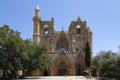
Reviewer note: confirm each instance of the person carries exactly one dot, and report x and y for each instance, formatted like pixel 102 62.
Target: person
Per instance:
pixel 97 74
pixel 65 74
pixel 87 74
pixel 90 74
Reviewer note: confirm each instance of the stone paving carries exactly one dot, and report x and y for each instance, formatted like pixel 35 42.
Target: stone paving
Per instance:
pixel 58 78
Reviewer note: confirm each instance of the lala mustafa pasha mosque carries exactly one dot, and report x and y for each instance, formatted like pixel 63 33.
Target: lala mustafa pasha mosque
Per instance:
pixel 66 49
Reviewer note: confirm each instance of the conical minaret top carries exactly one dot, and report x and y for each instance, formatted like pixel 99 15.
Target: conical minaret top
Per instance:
pixel 37 10
pixel 37 7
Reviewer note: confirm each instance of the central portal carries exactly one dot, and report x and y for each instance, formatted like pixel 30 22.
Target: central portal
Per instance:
pixel 62 70
pixel 78 70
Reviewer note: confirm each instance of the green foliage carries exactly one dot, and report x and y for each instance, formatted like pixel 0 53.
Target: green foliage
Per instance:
pixel 87 55
pixel 107 64
pixel 40 58
pixel 12 46
pixel 100 56
pixel 17 54
pixel 35 57
pixel 108 67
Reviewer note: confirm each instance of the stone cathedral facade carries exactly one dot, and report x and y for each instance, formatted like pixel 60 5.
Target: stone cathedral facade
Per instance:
pixel 66 49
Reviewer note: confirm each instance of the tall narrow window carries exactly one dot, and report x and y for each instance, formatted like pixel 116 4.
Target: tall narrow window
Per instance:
pixel 78 28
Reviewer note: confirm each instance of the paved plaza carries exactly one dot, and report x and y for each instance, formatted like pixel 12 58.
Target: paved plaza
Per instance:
pixel 58 78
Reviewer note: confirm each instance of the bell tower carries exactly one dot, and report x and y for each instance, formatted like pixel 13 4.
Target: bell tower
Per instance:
pixel 37 25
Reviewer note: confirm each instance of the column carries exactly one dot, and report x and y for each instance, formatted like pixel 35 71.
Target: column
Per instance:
pixel 73 71
pixel 52 71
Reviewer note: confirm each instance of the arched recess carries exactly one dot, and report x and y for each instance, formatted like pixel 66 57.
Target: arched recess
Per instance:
pixel 46 29
pixel 62 43
pixel 46 26
pixel 45 73
pixel 78 70
pixel 62 69
pixel 46 32
pixel 62 60
pixel 78 28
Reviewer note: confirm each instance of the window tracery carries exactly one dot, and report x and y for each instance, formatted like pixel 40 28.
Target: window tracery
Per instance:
pixel 62 44
pixel 62 65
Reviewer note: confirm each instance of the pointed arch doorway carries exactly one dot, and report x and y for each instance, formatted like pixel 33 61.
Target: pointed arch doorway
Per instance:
pixel 78 70
pixel 45 73
pixel 62 69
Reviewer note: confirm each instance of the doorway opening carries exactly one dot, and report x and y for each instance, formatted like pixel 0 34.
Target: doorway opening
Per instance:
pixel 62 70
pixel 78 70
pixel 45 73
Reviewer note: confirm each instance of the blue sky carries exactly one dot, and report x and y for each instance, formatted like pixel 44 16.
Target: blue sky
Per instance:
pixel 102 16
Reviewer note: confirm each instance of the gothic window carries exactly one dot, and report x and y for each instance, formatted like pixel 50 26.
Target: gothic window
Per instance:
pixel 62 44
pixel 46 26
pixel 78 28
pixel 46 32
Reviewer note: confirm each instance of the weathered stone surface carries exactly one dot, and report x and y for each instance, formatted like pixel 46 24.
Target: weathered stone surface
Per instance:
pixel 66 49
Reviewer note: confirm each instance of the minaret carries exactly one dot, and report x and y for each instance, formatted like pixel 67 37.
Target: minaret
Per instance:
pixel 37 22
pixel 37 11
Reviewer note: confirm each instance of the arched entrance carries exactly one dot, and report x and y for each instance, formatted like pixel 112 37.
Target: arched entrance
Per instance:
pixel 78 70
pixel 62 70
pixel 45 73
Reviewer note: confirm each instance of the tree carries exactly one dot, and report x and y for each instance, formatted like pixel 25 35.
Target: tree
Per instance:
pixel 107 64
pixel 108 67
pixel 18 54
pixel 40 58
pixel 26 56
pixel 44 61
pixel 96 59
pixel 35 57
pixel 118 67
pixel 87 55
pixel 13 47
